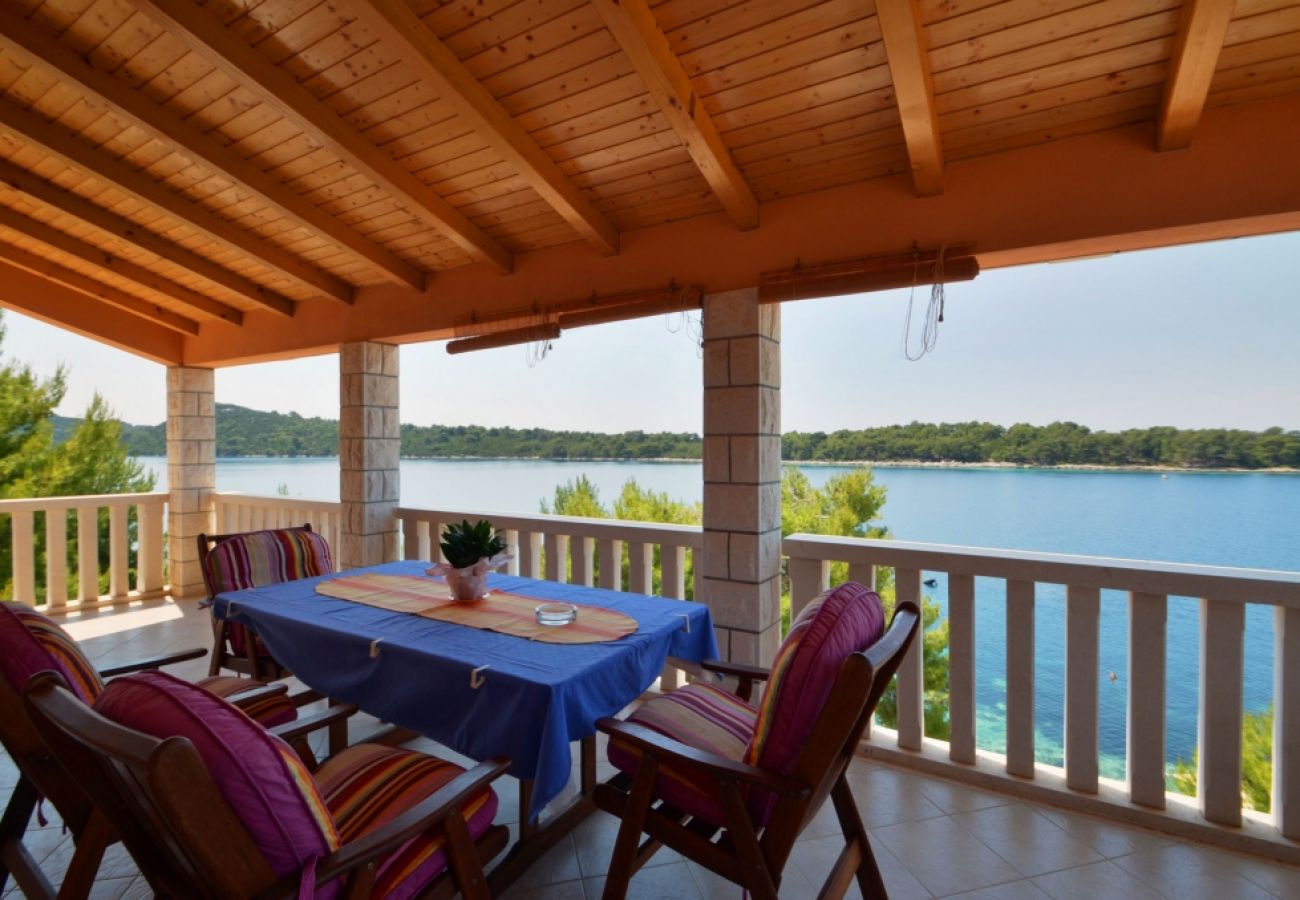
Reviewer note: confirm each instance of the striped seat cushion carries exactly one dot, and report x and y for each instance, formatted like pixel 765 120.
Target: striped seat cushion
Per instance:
pixel 367 785
pixel 276 709
pixel 259 558
pixel 31 643
pixel 700 716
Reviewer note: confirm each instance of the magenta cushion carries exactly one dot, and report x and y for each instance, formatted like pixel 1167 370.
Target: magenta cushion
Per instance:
pixel 841 621
pixel 262 779
pixel 30 643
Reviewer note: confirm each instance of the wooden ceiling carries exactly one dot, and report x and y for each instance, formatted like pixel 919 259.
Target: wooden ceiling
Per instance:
pixel 224 164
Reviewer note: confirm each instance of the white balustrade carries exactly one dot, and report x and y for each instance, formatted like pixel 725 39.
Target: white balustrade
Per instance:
pixel 250 512
pixel 148 509
pixel 1223 595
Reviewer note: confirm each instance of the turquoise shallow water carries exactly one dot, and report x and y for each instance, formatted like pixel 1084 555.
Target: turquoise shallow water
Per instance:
pixel 1224 519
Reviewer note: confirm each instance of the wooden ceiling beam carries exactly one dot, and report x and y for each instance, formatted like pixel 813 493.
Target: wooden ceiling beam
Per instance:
pixel 57 199
pixel 634 26
pixel 33 130
pixel 397 25
pixel 21 38
pixel 51 302
pixel 1201 33
pixel 66 243
pixel 909 68
pixel 45 268
pixel 205 34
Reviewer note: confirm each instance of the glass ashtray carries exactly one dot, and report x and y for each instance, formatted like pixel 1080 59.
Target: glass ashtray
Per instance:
pixel 556 614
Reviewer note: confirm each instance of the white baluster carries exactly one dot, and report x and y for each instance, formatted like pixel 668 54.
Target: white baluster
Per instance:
pixel 961 668
pixel 583 553
pixel 24 556
pixel 611 564
pixel 1146 699
pixel 640 571
pixel 1218 776
pixel 864 574
pixel 88 553
pixel 672 584
pixel 557 557
pixel 911 673
pixel 424 546
pixel 808 578
pixel 56 558
pixel 530 551
pixel 1082 620
pixel 119 565
pixel 410 538
pixel 1286 721
pixel 512 541
pixel 149 559
pixel 1020 678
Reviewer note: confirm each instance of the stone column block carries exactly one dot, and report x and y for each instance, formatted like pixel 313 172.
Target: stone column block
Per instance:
pixel 369 453
pixel 191 473
pixel 741 556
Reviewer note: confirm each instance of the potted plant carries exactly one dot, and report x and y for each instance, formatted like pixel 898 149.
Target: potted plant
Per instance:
pixel 471 551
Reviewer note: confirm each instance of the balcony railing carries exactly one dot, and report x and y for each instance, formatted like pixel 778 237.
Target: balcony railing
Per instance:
pixel 143 513
pixel 253 512
pixel 1223 595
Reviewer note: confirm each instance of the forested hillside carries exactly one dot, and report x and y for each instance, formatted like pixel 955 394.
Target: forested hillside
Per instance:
pixel 247 432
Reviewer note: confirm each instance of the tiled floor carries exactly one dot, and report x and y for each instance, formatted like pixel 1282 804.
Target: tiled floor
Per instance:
pixel 931 838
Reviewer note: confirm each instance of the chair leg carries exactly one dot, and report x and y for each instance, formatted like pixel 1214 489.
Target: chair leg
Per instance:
pixel 869 880
pixel 14 858
pixel 622 862
pixel 218 647
pixel 463 860
pixel 94 839
pixel 756 876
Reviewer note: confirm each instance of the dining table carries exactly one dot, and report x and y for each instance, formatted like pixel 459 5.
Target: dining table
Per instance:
pixel 479 692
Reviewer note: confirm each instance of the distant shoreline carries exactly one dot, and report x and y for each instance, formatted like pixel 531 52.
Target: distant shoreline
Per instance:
pixel 889 464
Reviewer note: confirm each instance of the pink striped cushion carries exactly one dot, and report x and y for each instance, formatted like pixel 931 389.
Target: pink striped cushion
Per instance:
pixel 368 785
pixel 31 643
pixel 259 558
pixel 842 621
pixel 700 716
pixel 262 779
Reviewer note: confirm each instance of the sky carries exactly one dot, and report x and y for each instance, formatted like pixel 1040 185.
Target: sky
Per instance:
pixel 1197 336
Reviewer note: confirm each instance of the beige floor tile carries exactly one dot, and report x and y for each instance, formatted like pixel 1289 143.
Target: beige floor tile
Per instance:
pixel 558 864
pixel 887 797
pixel 1027 840
pixel 670 882
pixel 1107 838
pixel 594 840
pixel 568 890
pixel 1012 890
pixel 1183 872
pixel 958 798
pixel 815 858
pixel 943 856
pixel 1103 879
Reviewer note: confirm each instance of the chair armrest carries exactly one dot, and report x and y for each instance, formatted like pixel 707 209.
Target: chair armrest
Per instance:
pixel 679 754
pixel 256 695
pixel 745 675
pixel 141 665
pixel 446 801
pixel 291 731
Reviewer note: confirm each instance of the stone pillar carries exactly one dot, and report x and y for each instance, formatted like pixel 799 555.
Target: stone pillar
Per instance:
pixel 369 449
pixel 742 474
pixel 191 473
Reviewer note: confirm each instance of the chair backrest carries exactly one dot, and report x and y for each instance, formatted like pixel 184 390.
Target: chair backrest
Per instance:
pixel 208 803
pixel 31 643
pixel 861 678
pixel 233 562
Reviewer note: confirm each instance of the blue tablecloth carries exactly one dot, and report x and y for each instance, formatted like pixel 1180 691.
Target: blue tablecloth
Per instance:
pixel 534 699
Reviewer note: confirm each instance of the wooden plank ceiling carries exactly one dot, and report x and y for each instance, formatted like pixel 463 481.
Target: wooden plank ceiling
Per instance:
pixel 194 163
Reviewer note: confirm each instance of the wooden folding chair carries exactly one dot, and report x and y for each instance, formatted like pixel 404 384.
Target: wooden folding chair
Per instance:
pixel 732 786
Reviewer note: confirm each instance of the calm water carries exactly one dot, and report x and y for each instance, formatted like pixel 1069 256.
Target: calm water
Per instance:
pixel 1225 519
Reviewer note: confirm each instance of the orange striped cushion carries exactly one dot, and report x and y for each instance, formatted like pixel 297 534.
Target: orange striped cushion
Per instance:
pixel 267 712
pixel 64 655
pixel 700 716
pixel 367 785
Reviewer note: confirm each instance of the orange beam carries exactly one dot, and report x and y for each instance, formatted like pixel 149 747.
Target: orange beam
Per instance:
pixel 1196 55
pixel 634 26
pixel 1088 194
pixel 55 304
pixel 909 68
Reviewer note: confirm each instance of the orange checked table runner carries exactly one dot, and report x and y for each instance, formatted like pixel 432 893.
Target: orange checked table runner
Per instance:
pixel 499 611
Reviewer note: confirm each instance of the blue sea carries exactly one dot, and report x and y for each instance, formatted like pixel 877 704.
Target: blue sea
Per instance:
pixel 1232 519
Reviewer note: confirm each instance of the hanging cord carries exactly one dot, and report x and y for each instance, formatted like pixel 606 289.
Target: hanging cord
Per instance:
pixel 933 312
pixel 689 323
pixel 536 351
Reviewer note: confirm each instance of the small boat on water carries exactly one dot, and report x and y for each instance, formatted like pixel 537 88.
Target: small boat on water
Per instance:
pixel 931 582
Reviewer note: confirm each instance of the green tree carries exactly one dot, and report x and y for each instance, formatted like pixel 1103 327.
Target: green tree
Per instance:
pixel 93 459
pixel 1256 763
